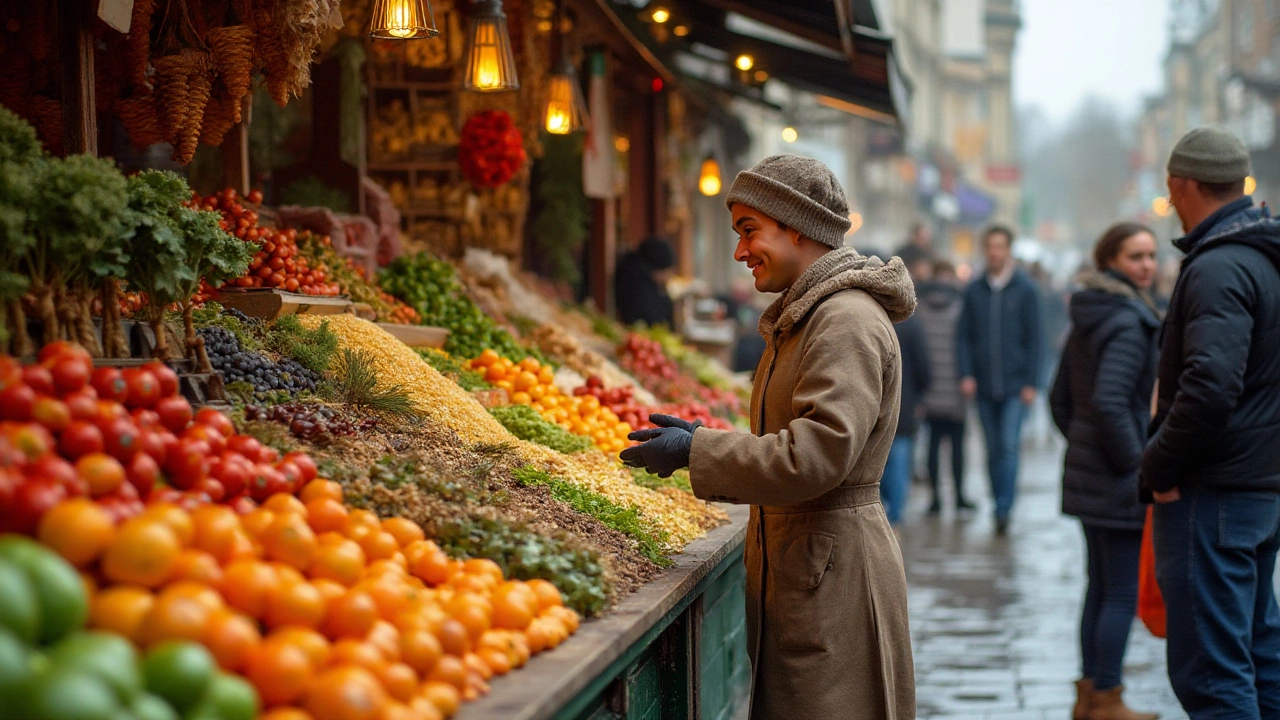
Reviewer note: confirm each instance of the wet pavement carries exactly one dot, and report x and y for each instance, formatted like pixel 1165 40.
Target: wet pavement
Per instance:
pixel 995 620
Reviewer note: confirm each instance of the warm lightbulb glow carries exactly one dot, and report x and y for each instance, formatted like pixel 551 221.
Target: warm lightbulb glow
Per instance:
pixel 566 108
pixel 1250 184
pixel 790 135
pixel 761 76
pixel 487 75
pixel 1161 207
pixel 401 20
pixel 490 63
pixel 680 30
pixel 622 144
pixel 744 62
pixel 661 15
pixel 709 178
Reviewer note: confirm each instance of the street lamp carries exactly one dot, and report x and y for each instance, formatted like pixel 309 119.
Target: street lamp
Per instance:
pixel 402 20
pixel 490 64
pixel 709 179
pixel 566 108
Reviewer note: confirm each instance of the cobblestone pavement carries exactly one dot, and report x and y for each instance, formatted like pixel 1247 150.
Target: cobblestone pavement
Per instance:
pixel 995 620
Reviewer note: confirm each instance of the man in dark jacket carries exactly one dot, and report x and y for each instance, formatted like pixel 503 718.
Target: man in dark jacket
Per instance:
pixel 998 348
pixel 940 304
pixel 640 284
pixel 895 484
pixel 1213 459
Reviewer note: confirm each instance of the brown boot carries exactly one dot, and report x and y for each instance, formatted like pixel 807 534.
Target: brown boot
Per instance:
pixel 1084 700
pixel 1107 705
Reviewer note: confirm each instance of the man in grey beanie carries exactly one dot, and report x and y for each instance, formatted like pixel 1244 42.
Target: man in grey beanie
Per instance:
pixel 1212 463
pixel 826 592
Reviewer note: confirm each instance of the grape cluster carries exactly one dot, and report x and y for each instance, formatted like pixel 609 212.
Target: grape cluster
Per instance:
pixel 241 317
pixel 310 421
pixel 239 365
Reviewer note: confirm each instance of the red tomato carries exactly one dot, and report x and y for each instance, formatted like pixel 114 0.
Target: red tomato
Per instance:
pixel 51 413
pixel 151 442
pixel 291 285
pixel 186 466
pixel 38 378
pixel 104 473
pixel 144 388
pixel 54 350
pixel 31 500
pixel 265 482
pixel 122 438
pixel 109 383
pixel 216 420
pixel 142 472
pixel 246 445
pixel 166 376
pixel 204 433
pixel 292 476
pixel 212 488
pixel 268 455
pixel 70 373
pixel 232 470
pixel 174 413
pixel 83 405
pixel 80 438
pixel 305 465
pixel 16 402
pixel 255 197
pixel 164 494
pixel 244 505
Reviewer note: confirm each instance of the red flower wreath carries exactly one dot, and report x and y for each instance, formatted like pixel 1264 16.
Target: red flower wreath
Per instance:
pixel 491 149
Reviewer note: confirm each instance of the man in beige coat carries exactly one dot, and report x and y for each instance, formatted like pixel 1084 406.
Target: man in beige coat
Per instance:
pixel 826 592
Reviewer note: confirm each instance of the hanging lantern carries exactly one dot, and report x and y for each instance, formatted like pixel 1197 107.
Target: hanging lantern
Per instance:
pixel 490 63
pixel 566 108
pixel 709 178
pixel 402 20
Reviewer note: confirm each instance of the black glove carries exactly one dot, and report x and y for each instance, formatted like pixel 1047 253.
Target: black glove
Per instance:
pixel 664 449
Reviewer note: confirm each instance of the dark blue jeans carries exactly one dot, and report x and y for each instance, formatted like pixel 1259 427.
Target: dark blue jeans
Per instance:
pixel 1110 602
pixel 1002 427
pixel 953 432
pixel 895 483
pixel 1215 561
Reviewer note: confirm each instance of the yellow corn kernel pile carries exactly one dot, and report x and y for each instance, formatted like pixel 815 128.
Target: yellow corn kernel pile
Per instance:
pixel 443 401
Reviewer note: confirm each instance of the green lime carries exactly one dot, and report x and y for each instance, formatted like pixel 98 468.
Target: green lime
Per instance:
pixel 59 590
pixel 152 707
pixel 231 698
pixel 110 658
pixel 16 667
pixel 178 671
pixel 67 694
pixel 19 606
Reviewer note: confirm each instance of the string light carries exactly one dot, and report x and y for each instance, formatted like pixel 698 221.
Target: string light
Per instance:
pixel 680 30
pixel 661 15
pixel 789 134
pixel 744 62
pixel 709 179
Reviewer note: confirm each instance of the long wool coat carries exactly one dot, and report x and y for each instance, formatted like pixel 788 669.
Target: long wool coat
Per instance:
pixel 826 592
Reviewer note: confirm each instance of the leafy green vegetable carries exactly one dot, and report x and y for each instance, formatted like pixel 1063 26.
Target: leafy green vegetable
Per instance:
pixel 455 369
pixel 525 423
pixel 313 349
pixel 678 480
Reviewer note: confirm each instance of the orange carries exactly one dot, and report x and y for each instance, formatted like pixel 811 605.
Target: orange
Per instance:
pixel 566 616
pixel 385 566
pixel 294 603
pixel 397 710
pixel 536 637
pixel 342 561
pixel 231 638
pixel 309 641
pixel 548 595
pixel 245 585
pixel 399 680
pixel 424 709
pixel 290 540
pixel 451 671
pixel 432 566
pixel 405 531
pixel 379 545
pixel 530 364
pixel 546 375
pixel 324 514
pixel 215 530
pixel 514 605
pixel 356 652
pixel 495 373
pixel 487 358
pixel 280 671
pixel 520 397
pixel 200 592
pixel 524 380
pixel 176 518
pixel 476 664
pixel 475 584
pixel 243 547
pixel 256 522
pixel 319 488
pixel 345 693
pixel 121 610
pixel 393 594
pixel 518 650
pixel 285 713
pixel 444 696
pixel 175 616
pixel 421 650
pixel 483 567
pixel 143 552
pixel 329 590
pixel 197 566
pixel 78 529
pixel 386 638
pixel 497 660
pixel 285 504
pixel 454 637
pixel 366 518
pixel 556 631
pixel 350 615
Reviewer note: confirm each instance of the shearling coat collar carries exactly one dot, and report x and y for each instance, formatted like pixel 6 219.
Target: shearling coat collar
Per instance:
pixel 842 269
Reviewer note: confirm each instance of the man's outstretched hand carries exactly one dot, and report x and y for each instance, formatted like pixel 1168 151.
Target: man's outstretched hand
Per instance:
pixel 664 449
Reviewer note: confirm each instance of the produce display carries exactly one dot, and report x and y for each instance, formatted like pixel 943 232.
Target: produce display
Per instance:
pixel 648 362
pixel 352 282
pixel 524 422
pixel 621 402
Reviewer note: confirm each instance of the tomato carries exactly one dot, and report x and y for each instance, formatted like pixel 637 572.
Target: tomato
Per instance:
pixel 244 505
pixel 53 468
pixel 305 465
pixel 216 420
pixel 80 438
pixel 142 472
pixel 211 487
pixel 266 481
pixel 268 455
pixel 51 413
pixel 151 442
pixel 106 412
pixel 217 443
pixel 122 439
pixel 233 471
pixel 38 378
pixel 83 405
pixel 167 378
pixel 70 373
pixel 246 445
pixel 255 197
pixel 53 351
pixel 144 388
pixel 104 473
pixel 292 476
pixel 291 285
pixel 174 413
pixel 186 465
pixel 145 419
pixel 164 494
pixel 16 402
pixel 31 500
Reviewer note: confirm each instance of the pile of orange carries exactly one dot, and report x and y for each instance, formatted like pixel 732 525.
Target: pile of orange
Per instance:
pixel 531 383
pixel 330 612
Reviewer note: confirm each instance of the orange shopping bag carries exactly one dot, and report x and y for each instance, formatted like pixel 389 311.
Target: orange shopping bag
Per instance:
pixel 1150 602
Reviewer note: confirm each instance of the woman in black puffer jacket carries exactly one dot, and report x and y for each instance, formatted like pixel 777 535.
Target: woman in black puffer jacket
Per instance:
pixel 1101 402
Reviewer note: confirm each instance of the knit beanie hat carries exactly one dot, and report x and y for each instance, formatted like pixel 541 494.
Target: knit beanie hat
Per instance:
pixel 798 192
pixel 1210 154
pixel 657 253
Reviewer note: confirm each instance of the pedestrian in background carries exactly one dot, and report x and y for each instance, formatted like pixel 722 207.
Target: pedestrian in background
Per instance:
pixel 1101 402
pixel 998 348
pixel 640 286
pixel 1213 459
pixel 940 304
pixel 895 484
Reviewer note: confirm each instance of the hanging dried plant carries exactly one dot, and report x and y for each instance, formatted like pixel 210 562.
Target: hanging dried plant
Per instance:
pixel 232 49
pixel 138 115
pixel 138 43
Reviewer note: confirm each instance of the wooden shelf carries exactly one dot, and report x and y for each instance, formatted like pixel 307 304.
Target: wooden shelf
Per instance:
pixel 405 165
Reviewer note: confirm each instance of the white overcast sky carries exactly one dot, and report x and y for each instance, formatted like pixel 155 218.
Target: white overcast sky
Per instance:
pixel 1070 49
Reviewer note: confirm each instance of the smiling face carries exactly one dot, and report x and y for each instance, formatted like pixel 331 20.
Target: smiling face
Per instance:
pixel 774 254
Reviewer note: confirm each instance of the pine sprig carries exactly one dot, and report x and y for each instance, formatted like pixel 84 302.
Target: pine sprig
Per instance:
pixel 356 384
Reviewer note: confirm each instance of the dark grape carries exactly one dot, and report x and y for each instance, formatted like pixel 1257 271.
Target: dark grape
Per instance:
pixel 311 421
pixel 239 365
